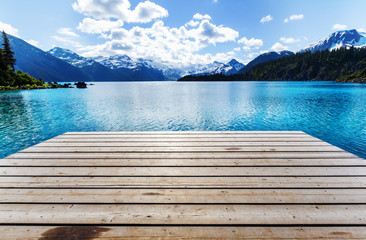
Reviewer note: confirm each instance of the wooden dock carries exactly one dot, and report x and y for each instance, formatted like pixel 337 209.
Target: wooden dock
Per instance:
pixel 187 185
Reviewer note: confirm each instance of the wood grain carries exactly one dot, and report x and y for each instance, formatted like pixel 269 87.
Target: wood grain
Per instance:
pixel 185 185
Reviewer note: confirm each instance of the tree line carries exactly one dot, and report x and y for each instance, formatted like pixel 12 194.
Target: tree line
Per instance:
pixel 343 65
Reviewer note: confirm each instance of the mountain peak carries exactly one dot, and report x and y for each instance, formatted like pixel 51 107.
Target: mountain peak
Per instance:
pixel 339 39
pixel 70 57
pixel 60 49
pixel 233 61
pixel 265 57
pixel 285 53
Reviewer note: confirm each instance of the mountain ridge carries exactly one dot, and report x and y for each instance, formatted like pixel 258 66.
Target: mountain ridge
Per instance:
pixel 59 64
pixel 339 39
pixel 43 65
pixel 114 68
pixel 232 67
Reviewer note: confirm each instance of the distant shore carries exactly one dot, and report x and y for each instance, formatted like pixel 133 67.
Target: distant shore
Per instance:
pixel 54 85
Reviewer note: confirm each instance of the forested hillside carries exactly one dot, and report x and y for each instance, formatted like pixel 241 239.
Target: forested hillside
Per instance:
pixel 344 65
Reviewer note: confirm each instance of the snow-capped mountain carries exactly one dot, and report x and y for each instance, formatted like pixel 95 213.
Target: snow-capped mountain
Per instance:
pixel 193 69
pixel 118 61
pixel 71 57
pixel 337 40
pixel 125 62
pixel 114 68
pixel 229 68
pixel 169 72
pixel 265 57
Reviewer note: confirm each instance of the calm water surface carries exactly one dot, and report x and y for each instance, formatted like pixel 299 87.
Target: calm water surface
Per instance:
pixel 332 112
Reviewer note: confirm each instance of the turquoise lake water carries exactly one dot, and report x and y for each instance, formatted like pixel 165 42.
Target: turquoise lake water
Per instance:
pixel 335 113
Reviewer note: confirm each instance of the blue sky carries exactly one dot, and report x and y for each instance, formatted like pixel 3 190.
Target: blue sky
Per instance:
pixel 178 32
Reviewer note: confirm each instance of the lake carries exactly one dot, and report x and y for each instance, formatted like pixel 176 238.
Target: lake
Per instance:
pixel 333 112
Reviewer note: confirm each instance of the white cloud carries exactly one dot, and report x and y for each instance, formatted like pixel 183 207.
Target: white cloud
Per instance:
pixel 361 30
pixel 266 19
pixel 289 40
pixel 249 44
pixel 213 34
pixel 89 25
pixel 199 16
pixel 33 42
pixel 67 32
pixel 67 37
pixel 192 23
pixel 172 46
pixel 196 20
pixel 237 49
pixel 294 17
pixel 67 41
pixel 278 47
pixel 9 29
pixel 215 1
pixel 339 27
pixel 120 9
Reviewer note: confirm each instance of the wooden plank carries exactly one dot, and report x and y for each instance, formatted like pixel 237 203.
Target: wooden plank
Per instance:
pixel 223 136
pixel 183 171
pixel 178 196
pixel 203 232
pixel 183 182
pixel 185 139
pixel 180 149
pixel 205 155
pixel 183 214
pixel 182 162
pixel 183 132
pixel 180 144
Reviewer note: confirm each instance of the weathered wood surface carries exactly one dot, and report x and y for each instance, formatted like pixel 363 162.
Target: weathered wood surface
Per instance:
pixel 182 182
pixel 180 149
pixel 176 196
pixel 179 155
pixel 182 162
pixel 190 185
pixel 166 232
pixel 183 214
pixel 184 171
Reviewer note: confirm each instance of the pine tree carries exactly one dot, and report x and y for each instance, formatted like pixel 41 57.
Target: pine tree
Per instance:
pixel 3 65
pixel 9 54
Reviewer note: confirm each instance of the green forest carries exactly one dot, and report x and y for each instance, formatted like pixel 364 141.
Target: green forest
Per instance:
pixel 11 79
pixel 342 65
